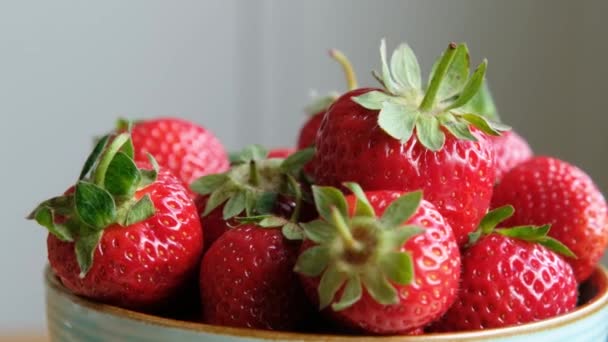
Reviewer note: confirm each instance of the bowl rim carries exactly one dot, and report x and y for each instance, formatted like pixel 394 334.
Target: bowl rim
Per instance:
pixel 595 304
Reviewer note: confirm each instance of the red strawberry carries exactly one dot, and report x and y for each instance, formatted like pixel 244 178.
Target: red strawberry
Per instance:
pixel 254 186
pixel 510 150
pixel 281 152
pixel 247 280
pixel 388 140
pixel 186 149
pixel 509 278
pixel 317 110
pixel 126 235
pixel 546 190
pixel 371 273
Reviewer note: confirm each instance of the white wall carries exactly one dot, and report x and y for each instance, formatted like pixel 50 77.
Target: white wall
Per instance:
pixel 244 69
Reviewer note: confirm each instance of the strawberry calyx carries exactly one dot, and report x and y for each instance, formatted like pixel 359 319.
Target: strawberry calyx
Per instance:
pixel 105 194
pixel 322 103
pixel 358 252
pixel 535 234
pixel 251 188
pixel 403 105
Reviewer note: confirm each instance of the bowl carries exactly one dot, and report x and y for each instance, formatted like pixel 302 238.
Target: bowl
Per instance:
pixel 72 318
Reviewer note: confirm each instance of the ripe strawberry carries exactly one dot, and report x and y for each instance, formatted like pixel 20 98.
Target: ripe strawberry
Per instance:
pixel 254 186
pixel 317 110
pixel 546 190
pixel 126 235
pixel 281 152
pixel 247 280
pixel 510 150
pixel 392 140
pixel 510 277
pixel 186 149
pixel 384 275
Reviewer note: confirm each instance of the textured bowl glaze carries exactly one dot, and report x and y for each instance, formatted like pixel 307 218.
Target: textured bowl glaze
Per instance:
pixel 71 318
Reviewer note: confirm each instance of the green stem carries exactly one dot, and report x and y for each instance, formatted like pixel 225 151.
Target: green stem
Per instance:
pixel 440 72
pixel 115 146
pixel 298 194
pixel 254 174
pixel 344 231
pixel 351 78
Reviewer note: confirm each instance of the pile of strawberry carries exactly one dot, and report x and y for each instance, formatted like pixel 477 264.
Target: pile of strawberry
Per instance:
pixel 406 209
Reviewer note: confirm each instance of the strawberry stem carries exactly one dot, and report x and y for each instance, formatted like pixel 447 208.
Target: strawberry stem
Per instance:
pixel 298 197
pixel 108 155
pixel 351 79
pixel 344 231
pixel 429 98
pixel 254 176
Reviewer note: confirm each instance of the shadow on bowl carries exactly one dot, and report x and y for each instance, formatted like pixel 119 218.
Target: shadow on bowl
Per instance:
pixel 72 318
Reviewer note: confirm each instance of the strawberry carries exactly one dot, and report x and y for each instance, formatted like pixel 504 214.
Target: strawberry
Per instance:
pixel 383 275
pixel 126 234
pixel 184 148
pixel 254 186
pixel 317 110
pixel 403 139
pixel 511 276
pixel 281 152
pixel 246 280
pixel 546 190
pixel 510 150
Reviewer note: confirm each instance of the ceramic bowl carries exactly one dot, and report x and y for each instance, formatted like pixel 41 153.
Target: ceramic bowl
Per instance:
pixel 72 318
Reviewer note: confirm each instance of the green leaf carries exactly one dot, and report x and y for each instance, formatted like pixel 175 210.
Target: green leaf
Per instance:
pixel 327 197
pixel 149 176
pixel 351 294
pixel 485 125
pixel 363 207
pixel 320 104
pixel 141 210
pixel 398 267
pixel 405 68
pixel 94 205
pixel 482 103
pixel 292 231
pixel 46 218
pixel 272 221
pixel 312 261
pixel 394 239
pixel 235 205
pixel 397 120
pixel 494 217
pixel 92 158
pixel 429 133
pixel 122 177
pixel 379 288
pixel 331 281
pixel 319 231
pixel 387 78
pixel 295 162
pixel 472 86
pixel 557 247
pixel 526 233
pixel 128 148
pixel 401 209
pixel 474 237
pixel 373 100
pixel 458 128
pixel 218 197
pixel 265 202
pixel 84 249
pixel 208 184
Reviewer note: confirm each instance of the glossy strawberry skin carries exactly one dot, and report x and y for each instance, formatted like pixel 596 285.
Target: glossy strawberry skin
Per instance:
pixel 510 150
pixel 436 261
pixel 186 149
pixel 308 132
pixel 458 180
pixel 510 282
pixel 142 266
pixel 281 152
pixel 247 280
pixel 546 190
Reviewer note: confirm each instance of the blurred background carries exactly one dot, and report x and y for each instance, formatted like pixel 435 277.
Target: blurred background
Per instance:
pixel 245 70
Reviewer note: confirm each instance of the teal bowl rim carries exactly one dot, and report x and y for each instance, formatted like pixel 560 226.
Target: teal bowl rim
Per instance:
pixel 595 304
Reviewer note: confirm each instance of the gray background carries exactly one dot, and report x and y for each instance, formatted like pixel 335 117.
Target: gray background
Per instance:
pixel 245 69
